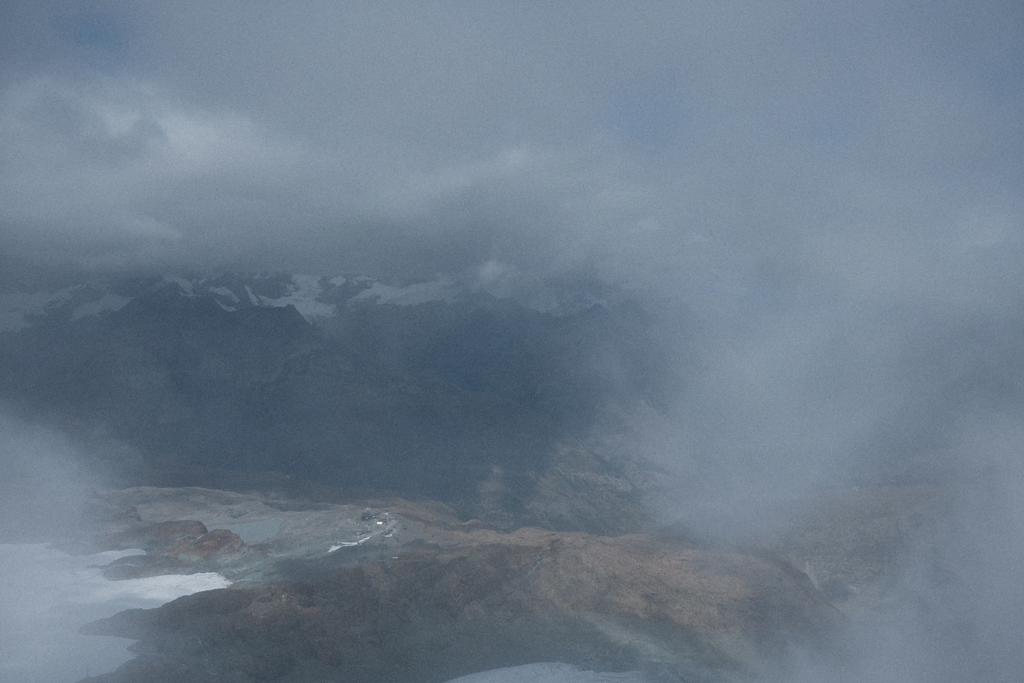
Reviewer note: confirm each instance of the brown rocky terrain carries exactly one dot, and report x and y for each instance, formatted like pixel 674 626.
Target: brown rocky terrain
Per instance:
pixel 332 586
pixel 403 591
pixel 494 600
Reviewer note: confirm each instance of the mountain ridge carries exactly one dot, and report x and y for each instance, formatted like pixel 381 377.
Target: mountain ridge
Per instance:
pixel 469 399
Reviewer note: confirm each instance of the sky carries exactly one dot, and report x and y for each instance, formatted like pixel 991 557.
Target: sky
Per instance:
pixel 826 198
pixel 861 145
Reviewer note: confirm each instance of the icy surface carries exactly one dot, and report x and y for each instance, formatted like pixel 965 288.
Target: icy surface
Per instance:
pixel 48 595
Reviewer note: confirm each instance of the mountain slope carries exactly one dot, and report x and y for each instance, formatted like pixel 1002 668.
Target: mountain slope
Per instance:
pixel 434 389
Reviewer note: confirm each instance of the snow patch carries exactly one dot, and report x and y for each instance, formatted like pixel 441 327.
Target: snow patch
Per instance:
pixel 225 292
pixel 381 524
pixel 348 544
pixel 304 294
pixel 109 302
pixel 411 295
pixel 185 285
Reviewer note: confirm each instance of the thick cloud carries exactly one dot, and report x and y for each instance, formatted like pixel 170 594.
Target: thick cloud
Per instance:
pixel 839 139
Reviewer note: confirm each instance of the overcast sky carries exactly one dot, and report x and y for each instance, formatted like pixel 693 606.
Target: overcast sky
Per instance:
pixel 864 144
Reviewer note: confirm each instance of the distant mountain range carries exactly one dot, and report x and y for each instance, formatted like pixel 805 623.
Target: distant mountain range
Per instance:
pixel 472 393
pixel 316 298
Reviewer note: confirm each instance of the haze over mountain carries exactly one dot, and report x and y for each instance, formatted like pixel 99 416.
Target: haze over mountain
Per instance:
pixel 689 268
pixel 433 390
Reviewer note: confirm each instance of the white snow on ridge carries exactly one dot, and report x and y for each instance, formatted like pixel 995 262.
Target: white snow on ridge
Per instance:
pixel 185 285
pixel 347 544
pixel 225 292
pixel 252 297
pixel 109 302
pixel 304 293
pixel 16 307
pixel 411 295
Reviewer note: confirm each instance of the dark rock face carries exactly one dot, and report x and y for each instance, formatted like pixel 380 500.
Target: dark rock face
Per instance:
pixel 491 600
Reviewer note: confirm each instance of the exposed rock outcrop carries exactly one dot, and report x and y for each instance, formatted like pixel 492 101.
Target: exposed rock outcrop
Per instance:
pixel 171 547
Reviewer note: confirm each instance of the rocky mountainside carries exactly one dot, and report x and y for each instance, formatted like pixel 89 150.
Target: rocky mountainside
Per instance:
pixel 380 588
pixel 437 389
pixel 420 481
pixel 388 590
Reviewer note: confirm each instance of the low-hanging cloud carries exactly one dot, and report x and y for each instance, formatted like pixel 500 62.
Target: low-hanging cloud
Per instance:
pixel 46 484
pixel 840 143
